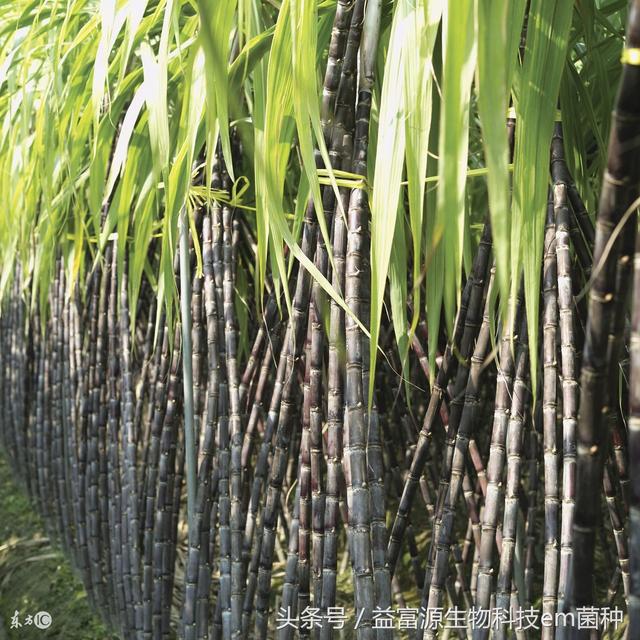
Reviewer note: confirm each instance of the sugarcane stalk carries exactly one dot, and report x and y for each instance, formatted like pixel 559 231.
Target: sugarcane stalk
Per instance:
pixel 235 425
pixel 264 335
pixel 257 407
pixel 290 595
pixel 291 352
pixel 187 364
pixel 103 419
pixel 114 471
pixel 316 419
pixel 56 412
pixel 303 488
pixel 195 614
pixel 495 465
pixel 100 417
pixel 162 527
pixel 68 424
pixel 478 465
pixel 463 334
pixel 634 452
pixel 143 411
pixel 335 408
pixel 252 543
pixel 337 45
pixel 568 373
pixel 549 411
pixel 130 491
pixel 619 190
pixel 453 472
pixel 514 463
pixel 374 454
pixel 340 128
pixel 617 524
pixel 525 571
pixel 151 475
pixel 375 477
pixel 397 480
pixel 81 438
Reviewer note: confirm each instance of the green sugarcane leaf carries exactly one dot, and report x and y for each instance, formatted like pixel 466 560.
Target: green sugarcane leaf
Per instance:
pixel 134 12
pixel 252 53
pixel 101 66
pixel 422 29
pixel 216 23
pixel 388 173
pixel 155 92
pixel 139 250
pixel 281 229
pixel 304 44
pixel 547 37
pixel 119 157
pixel 398 293
pixel 496 58
pixel 255 27
pixel 459 60
pixel 275 148
pixel 180 176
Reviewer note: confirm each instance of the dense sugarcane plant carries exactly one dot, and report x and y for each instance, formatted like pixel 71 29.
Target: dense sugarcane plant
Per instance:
pixel 317 317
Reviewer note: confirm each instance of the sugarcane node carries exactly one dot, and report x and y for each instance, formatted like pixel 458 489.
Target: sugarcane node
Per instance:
pixel 608 178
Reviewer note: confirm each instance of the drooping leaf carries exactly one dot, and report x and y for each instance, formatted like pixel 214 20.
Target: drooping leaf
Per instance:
pixel 496 59
pixel 547 37
pixel 459 61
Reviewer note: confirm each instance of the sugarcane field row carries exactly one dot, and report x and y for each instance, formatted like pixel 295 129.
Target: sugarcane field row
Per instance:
pixel 321 318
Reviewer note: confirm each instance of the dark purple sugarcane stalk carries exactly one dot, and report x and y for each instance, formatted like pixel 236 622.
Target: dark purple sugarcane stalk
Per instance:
pixel 261 342
pixel 235 423
pixel 252 542
pixel 634 451
pixel 195 614
pixel 495 465
pixel 303 488
pixel 57 454
pixel 568 370
pixel 616 516
pixel 131 529
pixel 290 587
pixel 80 429
pixel 291 352
pixel 619 190
pixel 513 444
pixel 99 500
pixel 163 517
pixel 549 413
pixel 257 405
pixel 143 411
pixel 114 473
pixel 528 501
pixel 198 355
pixel 151 477
pixel 452 479
pixel 471 297
pixel 398 483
